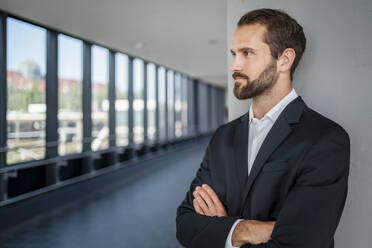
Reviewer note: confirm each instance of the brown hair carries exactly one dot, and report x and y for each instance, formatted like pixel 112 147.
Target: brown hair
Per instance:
pixel 282 32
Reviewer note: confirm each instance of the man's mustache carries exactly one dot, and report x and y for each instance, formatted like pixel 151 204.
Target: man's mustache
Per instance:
pixel 238 74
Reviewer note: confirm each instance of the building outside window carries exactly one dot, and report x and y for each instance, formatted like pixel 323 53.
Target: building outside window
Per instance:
pixel 138 104
pixel 121 103
pixel 26 86
pixel 70 109
pixel 151 101
pixel 100 102
pixel 170 96
pixel 162 106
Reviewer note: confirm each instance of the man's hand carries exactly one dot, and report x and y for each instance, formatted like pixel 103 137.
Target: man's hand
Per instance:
pixel 206 202
pixel 252 232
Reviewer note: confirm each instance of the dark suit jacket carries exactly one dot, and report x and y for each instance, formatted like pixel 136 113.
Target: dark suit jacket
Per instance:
pixel 299 179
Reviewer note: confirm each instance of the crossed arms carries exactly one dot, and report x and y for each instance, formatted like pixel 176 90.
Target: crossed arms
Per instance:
pixel 308 217
pixel 206 202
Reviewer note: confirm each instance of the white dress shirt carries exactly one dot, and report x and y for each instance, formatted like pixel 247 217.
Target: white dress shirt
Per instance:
pixel 258 129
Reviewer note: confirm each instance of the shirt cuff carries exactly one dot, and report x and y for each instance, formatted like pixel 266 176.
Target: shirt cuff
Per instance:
pixel 228 243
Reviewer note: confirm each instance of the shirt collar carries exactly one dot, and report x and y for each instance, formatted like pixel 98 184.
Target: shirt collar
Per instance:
pixel 275 111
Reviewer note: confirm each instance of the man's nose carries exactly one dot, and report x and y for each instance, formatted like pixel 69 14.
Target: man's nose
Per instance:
pixel 236 65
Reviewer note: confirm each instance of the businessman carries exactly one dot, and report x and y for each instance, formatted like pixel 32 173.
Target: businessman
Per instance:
pixel 277 176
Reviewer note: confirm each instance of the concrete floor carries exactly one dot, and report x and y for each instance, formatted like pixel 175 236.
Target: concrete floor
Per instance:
pixel 138 211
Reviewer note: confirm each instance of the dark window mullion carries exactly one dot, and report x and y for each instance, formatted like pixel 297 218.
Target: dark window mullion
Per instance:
pixel 51 149
pixel 3 106
pixel 145 111
pixel 174 105
pixel 112 99
pixel 130 99
pixel 190 107
pixel 196 106
pixel 157 104
pixel 87 97
pixel 87 105
pixel 166 105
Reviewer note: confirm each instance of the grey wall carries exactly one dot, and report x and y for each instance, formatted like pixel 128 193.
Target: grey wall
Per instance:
pixel 334 78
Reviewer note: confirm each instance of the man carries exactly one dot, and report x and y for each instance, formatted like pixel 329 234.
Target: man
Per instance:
pixel 277 176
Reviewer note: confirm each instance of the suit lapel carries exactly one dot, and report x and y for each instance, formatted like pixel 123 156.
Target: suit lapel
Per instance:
pixel 240 147
pixel 279 131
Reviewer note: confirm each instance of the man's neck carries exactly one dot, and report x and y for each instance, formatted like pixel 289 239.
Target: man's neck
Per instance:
pixel 266 101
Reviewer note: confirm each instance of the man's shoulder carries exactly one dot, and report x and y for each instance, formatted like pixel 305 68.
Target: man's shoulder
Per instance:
pixel 226 130
pixel 230 125
pixel 319 125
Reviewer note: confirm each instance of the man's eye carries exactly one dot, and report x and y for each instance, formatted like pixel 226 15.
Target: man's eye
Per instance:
pixel 247 53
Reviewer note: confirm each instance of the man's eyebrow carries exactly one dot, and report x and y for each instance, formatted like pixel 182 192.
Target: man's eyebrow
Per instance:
pixel 250 49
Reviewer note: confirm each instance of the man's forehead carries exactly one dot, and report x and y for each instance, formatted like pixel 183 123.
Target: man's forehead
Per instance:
pixel 248 36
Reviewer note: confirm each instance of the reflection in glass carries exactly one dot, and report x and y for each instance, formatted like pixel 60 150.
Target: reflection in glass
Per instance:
pixel 151 101
pixel 177 105
pixel 170 95
pixel 26 112
pixel 161 89
pixel 100 102
pixel 70 109
pixel 138 100
pixel 121 104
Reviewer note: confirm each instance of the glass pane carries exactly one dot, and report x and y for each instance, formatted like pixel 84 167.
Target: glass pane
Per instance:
pixel 26 91
pixel 151 101
pixel 170 95
pixel 184 87
pixel 202 110
pixel 214 105
pixel 161 88
pixel 100 102
pixel 177 105
pixel 138 101
pixel 121 104
pixel 70 109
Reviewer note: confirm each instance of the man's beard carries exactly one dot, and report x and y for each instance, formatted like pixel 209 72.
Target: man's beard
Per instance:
pixel 251 89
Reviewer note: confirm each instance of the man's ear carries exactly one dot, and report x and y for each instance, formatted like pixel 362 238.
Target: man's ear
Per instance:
pixel 286 59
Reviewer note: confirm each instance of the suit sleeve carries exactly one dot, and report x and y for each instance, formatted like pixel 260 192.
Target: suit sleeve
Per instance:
pixel 200 231
pixel 228 243
pixel 312 210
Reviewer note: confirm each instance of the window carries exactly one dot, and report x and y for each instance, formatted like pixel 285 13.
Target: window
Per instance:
pixel 138 101
pixel 170 95
pixel 162 106
pixel 151 101
pixel 121 104
pixel 184 87
pixel 100 102
pixel 203 112
pixel 26 70
pixel 177 105
pixel 70 109
pixel 214 107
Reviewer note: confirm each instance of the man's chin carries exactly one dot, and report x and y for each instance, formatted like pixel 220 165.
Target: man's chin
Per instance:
pixel 240 97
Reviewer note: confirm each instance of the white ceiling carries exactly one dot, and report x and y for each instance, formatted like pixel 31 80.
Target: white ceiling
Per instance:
pixel 175 33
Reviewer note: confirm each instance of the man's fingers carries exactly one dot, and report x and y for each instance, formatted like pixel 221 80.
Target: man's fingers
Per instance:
pixel 219 208
pixel 204 194
pixel 208 201
pixel 197 207
pixel 212 194
pixel 201 203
